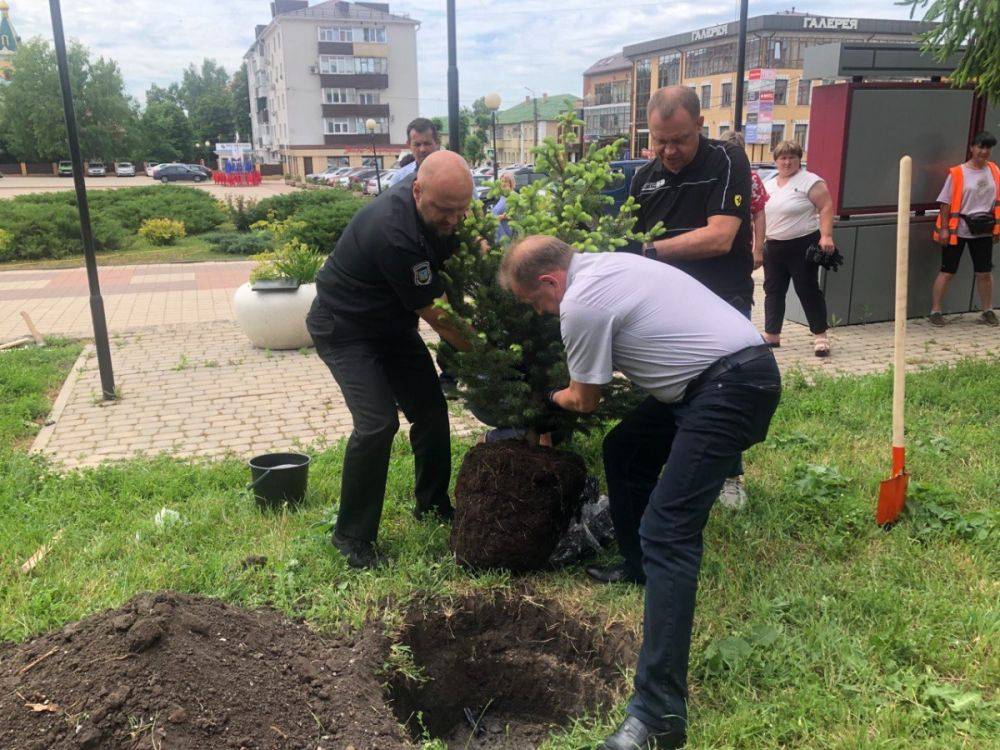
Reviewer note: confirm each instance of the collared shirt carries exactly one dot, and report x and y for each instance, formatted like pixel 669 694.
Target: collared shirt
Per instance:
pixel 658 326
pixel 716 182
pixel 402 173
pixel 385 266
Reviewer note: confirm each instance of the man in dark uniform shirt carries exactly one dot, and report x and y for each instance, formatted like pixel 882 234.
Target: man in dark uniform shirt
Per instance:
pixel 700 189
pixel 380 280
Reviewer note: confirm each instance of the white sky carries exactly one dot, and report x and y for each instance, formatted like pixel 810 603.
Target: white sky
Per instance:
pixel 503 45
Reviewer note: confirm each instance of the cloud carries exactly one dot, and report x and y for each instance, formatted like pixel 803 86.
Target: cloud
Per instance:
pixel 502 46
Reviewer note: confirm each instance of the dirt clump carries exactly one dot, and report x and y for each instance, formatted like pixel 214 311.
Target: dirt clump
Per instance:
pixel 169 670
pixel 501 672
pixel 513 501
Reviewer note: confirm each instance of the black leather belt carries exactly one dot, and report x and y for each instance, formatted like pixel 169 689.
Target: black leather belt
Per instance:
pixel 724 364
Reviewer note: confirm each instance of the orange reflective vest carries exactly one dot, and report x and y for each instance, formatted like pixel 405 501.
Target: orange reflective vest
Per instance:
pixel 957 178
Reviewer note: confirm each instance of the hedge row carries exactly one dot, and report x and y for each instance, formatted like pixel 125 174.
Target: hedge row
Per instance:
pixel 323 213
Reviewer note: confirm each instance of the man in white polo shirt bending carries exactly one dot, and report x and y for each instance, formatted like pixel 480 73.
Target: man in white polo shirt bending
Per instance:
pixel 713 387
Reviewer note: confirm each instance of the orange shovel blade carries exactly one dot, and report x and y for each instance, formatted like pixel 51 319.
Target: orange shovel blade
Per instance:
pixel 891 498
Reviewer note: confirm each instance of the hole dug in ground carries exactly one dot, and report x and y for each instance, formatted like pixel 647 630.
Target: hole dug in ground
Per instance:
pixel 501 671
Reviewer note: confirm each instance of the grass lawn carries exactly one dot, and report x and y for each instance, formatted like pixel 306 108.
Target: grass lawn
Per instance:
pixel 814 628
pixel 187 250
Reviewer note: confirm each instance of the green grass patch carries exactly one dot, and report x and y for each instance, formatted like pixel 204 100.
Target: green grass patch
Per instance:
pixel 30 379
pixel 814 628
pixel 187 250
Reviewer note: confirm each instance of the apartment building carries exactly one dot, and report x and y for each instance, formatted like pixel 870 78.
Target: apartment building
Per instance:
pixel 705 59
pixel 318 73
pixel 607 102
pixel 525 125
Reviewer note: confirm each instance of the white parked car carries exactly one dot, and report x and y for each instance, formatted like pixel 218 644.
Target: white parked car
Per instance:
pixel 96 169
pixel 371 184
pixel 124 169
pixel 151 168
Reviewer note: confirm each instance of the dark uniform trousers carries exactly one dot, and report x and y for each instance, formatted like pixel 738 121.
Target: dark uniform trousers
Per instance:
pixel 665 465
pixel 376 374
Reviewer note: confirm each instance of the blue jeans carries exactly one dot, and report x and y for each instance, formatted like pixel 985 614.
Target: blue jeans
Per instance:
pixel 665 465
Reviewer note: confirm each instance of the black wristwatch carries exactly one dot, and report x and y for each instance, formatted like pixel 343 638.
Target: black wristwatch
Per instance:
pixel 649 250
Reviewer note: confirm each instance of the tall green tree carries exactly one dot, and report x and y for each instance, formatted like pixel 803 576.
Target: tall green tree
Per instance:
pixel 970 26
pixel 206 96
pixel 165 132
pixel 477 139
pixel 239 89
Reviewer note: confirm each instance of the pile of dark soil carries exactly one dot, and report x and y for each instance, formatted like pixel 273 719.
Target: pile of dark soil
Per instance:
pixel 500 673
pixel 512 503
pixel 174 671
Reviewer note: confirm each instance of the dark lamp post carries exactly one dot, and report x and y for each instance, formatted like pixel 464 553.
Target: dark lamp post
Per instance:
pixel 370 126
pixel 492 102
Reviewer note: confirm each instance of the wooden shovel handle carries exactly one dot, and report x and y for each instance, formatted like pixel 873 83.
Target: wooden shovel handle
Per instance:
pixel 902 271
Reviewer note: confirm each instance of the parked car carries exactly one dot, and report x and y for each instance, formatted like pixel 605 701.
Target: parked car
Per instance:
pixel 65 169
pixel 619 189
pixel 175 172
pixel 200 168
pixel 124 169
pixel 96 169
pixel 764 171
pixel 482 184
pixel 344 178
pixel 357 180
pixel 151 168
pixel 371 184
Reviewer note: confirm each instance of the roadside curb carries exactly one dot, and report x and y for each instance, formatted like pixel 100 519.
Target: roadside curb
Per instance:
pixel 45 434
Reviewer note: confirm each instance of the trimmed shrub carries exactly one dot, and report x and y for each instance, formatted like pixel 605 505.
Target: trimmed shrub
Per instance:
pixel 6 242
pixel 320 226
pixel 285 205
pixel 162 231
pixel 242 212
pixel 52 230
pixel 239 243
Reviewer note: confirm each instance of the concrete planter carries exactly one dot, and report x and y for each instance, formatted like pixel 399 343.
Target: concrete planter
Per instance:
pixel 275 319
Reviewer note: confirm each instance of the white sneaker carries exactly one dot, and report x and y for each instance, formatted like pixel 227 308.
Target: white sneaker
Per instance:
pixel 733 495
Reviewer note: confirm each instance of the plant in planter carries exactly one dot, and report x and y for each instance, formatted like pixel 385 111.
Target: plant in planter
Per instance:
pixel 518 356
pixel 272 307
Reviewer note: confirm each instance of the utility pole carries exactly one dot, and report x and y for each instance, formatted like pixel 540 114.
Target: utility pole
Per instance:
pixel 454 132
pixel 96 302
pixel 534 101
pixel 741 51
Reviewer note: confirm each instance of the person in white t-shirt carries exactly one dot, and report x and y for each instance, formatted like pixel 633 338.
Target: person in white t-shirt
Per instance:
pixel 799 214
pixel 972 222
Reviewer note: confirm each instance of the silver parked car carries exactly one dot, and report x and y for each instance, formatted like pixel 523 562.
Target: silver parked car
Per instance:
pixel 124 169
pixel 96 169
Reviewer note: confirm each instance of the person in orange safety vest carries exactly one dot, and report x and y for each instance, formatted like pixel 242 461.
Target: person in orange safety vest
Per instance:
pixel 970 215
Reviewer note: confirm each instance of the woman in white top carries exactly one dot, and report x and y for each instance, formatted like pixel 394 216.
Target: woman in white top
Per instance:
pixel 799 214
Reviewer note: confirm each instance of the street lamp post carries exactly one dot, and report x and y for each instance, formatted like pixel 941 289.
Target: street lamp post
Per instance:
pixel 370 126
pixel 492 102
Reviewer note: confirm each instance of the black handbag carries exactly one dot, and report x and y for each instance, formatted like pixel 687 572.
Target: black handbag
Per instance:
pixel 829 261
pixel 979 223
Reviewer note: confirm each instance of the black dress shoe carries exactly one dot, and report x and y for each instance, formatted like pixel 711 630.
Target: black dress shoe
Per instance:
pixel 446 513
pixel 359 553
pixel 634 735
pixel 615 573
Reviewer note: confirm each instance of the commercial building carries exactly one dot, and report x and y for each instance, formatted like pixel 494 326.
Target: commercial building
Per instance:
pixel 705 59
pixel 318 73
pixel 525 125
pixel 607 101
pixel 8 42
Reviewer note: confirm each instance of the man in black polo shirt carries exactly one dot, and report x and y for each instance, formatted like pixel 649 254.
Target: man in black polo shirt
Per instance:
pixel 380 279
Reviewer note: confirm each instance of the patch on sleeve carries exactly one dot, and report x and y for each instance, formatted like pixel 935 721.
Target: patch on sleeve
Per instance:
pixel 738 200
pixel 422 273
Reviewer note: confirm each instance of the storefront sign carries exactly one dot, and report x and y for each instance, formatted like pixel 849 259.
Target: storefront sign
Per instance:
pixel 710 33
pixel 833 24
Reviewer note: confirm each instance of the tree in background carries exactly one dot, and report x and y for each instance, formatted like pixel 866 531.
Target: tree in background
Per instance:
pixel 517 355
pixel 207 98
pixel 31 116
pixel 239 89
pixel 972 25
pixel 165 133
pixel 478 136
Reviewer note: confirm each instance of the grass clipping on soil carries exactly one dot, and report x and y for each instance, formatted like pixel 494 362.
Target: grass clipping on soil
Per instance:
pixel 177 671
pixel 512 503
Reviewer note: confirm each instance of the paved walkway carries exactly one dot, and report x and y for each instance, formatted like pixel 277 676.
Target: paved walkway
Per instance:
pixel 193 386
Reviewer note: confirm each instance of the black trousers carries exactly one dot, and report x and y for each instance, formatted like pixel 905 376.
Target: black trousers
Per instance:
pixel 784 261
pixel 376 374
pixel 665 465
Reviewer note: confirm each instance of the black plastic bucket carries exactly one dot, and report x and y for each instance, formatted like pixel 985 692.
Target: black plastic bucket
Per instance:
pixel 279 478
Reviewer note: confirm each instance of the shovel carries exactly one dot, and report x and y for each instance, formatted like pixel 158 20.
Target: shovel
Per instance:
pixel 892 492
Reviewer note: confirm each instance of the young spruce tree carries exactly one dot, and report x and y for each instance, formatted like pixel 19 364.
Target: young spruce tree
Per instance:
pixel 517 355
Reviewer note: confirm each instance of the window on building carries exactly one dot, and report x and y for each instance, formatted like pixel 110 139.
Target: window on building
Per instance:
pixel 804 94
pixel 641 142
pixel 335 162
pixel 336 64
pixel 801 134
pixel 374 34
pixel 706 96
pixel 669 70
pixel 371 65
pixel 704 131
pixel 723 129
pixel 727 94
pixel 780 91
pixel 381 125
pixel 706 61
pixel 369 96
pixel 338 96
pixel 777 134
pixel 336 34
pixel 642 84
pixel 611 92
pixel 336 125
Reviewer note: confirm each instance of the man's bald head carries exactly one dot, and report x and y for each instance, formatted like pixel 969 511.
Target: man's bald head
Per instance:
pixel 675 124
pixel 443 191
